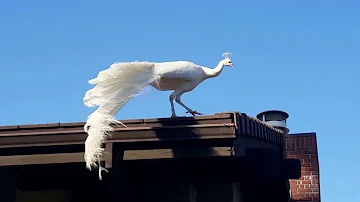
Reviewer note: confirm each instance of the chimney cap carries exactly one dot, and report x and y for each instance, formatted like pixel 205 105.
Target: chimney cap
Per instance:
pixel 275 118
pixel 279 112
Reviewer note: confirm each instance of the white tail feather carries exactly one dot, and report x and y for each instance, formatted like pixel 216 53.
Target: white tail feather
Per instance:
pixel 114 88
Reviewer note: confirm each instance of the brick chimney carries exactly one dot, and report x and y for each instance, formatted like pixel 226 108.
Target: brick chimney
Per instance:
pixel 304 147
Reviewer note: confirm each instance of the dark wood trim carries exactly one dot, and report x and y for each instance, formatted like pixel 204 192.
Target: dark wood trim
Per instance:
pixel 185 132
pixel 58 158
pixel 178 153
pixel 35 159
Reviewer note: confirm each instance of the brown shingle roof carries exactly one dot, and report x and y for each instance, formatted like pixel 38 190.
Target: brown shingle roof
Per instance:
pixel 220 124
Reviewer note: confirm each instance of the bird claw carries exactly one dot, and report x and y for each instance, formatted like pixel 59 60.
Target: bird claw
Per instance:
pixel 194 113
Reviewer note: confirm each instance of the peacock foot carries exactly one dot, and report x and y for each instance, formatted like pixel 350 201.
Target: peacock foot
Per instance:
pixel 194 113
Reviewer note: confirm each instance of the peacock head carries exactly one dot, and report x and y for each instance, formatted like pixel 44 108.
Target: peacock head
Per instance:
pixel 227 61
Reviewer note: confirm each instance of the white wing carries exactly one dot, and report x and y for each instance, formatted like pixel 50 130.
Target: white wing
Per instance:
pixel 178 70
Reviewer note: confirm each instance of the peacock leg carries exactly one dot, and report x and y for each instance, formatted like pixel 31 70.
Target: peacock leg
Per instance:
pixel 178 100
pixel 171 99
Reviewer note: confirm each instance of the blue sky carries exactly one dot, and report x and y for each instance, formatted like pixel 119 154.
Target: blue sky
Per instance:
pixel 299 56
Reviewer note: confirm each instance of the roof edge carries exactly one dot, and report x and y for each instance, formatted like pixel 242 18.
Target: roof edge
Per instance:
pixel 305 134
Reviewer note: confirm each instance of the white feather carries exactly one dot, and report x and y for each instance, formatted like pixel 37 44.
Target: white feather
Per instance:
pixel 115 86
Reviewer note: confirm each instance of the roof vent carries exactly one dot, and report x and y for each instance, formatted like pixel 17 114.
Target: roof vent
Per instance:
pixel 275 118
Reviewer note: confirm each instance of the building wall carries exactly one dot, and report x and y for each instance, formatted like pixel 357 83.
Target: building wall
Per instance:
pixel 304 147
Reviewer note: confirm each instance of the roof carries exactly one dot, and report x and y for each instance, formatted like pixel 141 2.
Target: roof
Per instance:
pixel 220 126
pixel 142 130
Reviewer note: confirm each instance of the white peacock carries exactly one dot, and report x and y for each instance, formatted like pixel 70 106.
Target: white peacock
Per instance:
pixel 115 86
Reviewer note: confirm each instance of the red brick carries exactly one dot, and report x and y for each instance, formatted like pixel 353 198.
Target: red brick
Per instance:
pixel 314 181
pixel 314 194
pixel 290 142
pixel 291 153
pixel 316 198
pixel 305 165
pixel 309 169
pixel 314 186
pixel 304 148
pixel 307 161
pixel 306 182
pixel 298 195
pixel 316 190
pixel 314 164
pixel 302 141
pixel 308 198
pixel 295 156
pixel 313 140
pixel 304 156
pixel 313 160
pixel 315 176
pixel 304 190
pixel 307 177
pixel 315 173
pixel 306 173
pixel 307 141
pixel 309 152
pixel 300 156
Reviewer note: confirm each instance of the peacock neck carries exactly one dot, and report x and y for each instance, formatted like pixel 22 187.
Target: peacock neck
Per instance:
pixel 216 71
